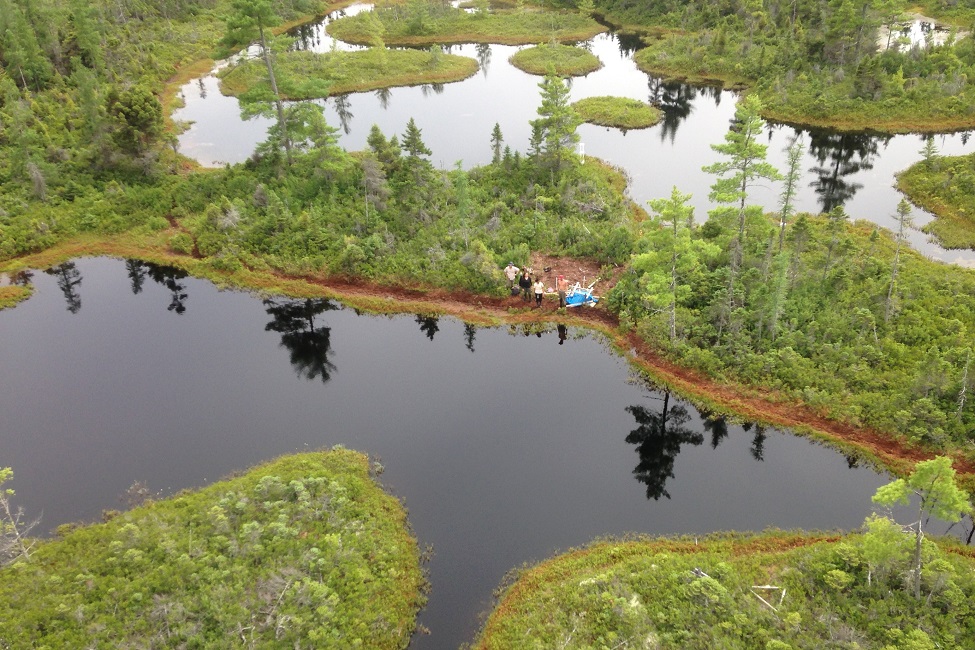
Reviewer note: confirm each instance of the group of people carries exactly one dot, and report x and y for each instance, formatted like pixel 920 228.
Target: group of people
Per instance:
pixel 527 285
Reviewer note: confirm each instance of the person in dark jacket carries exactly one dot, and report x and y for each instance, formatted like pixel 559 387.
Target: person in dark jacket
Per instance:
pixel 525 282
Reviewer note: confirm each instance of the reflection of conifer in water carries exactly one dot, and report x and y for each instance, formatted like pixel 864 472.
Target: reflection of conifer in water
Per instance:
pixel 343 109
pixel 675 101
pixel 658 440
pixel 69 278
pixel 716 425
pixel 758 441
pixel 309 346
pixel 428 325
pixel 469 333
pixel 168 276
pixel 136 271
pixel 839 155
pixel 483 53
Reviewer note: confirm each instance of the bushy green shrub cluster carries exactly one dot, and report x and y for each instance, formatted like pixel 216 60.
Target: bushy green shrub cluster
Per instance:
pixel 946 187
pixel 305 551
pixel 707 593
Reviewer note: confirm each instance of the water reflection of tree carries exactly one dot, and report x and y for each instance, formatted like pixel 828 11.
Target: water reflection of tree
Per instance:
pixel 343 109
pixel 136 271
pixel 428 325
pixel 309 346
pixel 675 100
pixel 658 440
pixel 482 51
pixel 469 333
pixel 839 155
pixel 384 95
pixel 169 277
pixel 69 279
pixel 758 441
pixel 716 425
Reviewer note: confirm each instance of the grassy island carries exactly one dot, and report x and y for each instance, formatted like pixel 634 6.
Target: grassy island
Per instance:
pixel 422 23
pixel 306 550
pixel 345 72
pixel 945 186
pixel 819 591
pixel 564 60
pixel 617 112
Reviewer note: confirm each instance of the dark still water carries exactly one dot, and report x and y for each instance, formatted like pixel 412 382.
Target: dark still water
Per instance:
pixel 506 448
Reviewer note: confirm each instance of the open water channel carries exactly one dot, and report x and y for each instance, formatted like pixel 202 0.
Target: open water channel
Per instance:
pixel 506 446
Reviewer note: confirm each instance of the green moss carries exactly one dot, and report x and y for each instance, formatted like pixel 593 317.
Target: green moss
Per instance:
pixel 618 112
pixel 350 71
pixel 305 550
pixel 564 60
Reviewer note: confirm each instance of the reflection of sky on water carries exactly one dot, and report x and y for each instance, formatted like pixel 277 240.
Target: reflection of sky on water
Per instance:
pixel 456 121
pixel 503 456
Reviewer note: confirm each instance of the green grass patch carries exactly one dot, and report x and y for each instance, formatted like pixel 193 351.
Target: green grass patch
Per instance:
pixel 617 112
pixel 12 295
pixel 307 550
pixel 700 593
pixel 426 24
pixel 945 186
pixel 350 71
pixel 564 60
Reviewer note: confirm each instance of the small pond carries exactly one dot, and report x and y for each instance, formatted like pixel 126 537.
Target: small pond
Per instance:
pixel 507 445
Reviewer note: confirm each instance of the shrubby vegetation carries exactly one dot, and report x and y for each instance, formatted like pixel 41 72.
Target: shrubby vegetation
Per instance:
pixel 884 587
pixel 836 315
pixel 305 551
pixel 617 112
pixel 549 58
pixel 820 591
pixel 419 22
pixel 811 62
pixel 945 186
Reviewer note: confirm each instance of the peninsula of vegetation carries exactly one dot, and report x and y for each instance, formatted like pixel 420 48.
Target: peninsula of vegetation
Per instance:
pixel 617 112
pixel 884 587
pixel 306 549
pixel 562 60
pixel 945 186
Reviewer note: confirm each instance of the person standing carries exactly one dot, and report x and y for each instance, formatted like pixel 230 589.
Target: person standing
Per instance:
pixel 525 282
pixel 562 287
pixel 539 290
pixel 510 273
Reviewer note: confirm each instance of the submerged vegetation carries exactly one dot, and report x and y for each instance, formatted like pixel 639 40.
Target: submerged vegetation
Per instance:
pixel 563 60
pixel 617 112
pixel 304 549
